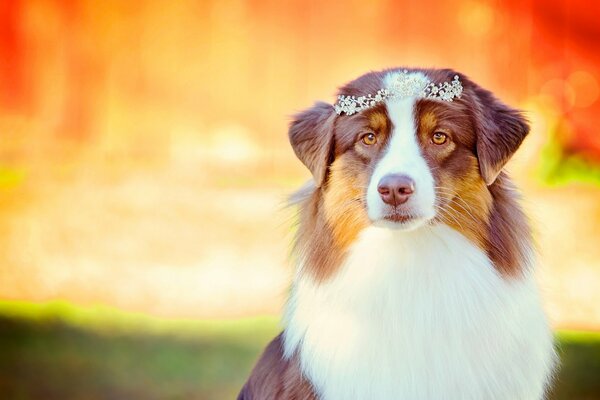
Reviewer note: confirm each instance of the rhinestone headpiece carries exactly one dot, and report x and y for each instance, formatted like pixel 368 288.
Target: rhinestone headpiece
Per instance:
pixel 404 85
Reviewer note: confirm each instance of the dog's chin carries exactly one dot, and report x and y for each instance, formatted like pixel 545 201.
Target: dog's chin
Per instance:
pixel 401 222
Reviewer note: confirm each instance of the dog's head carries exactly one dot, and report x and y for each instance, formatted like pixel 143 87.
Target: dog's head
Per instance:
pixel 408 161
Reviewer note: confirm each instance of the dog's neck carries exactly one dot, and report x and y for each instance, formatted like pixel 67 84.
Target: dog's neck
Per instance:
pixel 418 314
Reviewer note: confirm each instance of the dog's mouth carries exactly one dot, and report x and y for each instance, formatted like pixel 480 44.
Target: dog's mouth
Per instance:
pixel 398 221
pixel 395 217
pixel 400 215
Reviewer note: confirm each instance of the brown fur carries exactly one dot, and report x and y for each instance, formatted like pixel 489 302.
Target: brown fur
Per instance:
pixel 311 137
pixel 334 215
pixel 275 378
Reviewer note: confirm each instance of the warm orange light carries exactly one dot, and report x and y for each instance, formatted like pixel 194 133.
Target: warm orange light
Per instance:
pixel 143 146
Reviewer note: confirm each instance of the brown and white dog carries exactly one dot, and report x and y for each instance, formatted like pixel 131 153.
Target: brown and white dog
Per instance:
pixel 415 260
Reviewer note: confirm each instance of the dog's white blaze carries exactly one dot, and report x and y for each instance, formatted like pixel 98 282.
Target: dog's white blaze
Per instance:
pixel 403 156
pixel 419 315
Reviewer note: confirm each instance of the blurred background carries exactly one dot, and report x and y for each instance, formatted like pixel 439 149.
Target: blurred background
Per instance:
pixel 144 167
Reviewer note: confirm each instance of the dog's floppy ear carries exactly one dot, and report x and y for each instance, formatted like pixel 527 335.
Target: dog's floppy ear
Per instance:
pixel 311 136
pixel 500 131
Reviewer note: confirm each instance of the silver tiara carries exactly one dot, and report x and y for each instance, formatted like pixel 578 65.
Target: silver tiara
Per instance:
pixel 404 85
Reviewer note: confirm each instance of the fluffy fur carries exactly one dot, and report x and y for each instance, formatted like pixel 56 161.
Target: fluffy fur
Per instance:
pixel 419 315
pixel 433 298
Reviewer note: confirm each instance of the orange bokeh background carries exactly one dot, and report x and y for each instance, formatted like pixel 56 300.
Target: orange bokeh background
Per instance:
pixel 144 157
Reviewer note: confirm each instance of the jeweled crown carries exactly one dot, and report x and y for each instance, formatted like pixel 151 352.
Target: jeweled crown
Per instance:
pixel 404 85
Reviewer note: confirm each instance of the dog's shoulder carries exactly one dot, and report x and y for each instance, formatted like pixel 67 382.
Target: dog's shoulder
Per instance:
pixel 276 377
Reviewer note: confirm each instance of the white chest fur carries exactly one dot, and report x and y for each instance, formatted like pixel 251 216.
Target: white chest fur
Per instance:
pixel 420 315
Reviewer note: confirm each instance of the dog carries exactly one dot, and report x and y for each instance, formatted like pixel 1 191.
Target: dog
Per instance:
pixel 414 259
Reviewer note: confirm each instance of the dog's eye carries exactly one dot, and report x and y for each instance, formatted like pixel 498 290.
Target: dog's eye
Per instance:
pixel 369 139
pixel 439 138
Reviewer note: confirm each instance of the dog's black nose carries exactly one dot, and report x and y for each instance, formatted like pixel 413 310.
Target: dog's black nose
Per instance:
pixel 395 189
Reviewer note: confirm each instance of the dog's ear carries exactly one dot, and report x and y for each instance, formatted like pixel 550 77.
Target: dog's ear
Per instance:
pixel 500 132
pixel 311 136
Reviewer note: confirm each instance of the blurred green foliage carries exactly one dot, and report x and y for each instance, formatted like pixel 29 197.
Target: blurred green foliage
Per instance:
pixel 557 167
pixel 59 351
pixel 579 375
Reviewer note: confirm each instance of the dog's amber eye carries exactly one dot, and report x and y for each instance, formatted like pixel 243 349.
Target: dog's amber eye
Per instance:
pixel 369 139
pixel 439 138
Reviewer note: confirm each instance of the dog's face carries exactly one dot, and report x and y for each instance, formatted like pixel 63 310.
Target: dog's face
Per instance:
pixel 410 161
